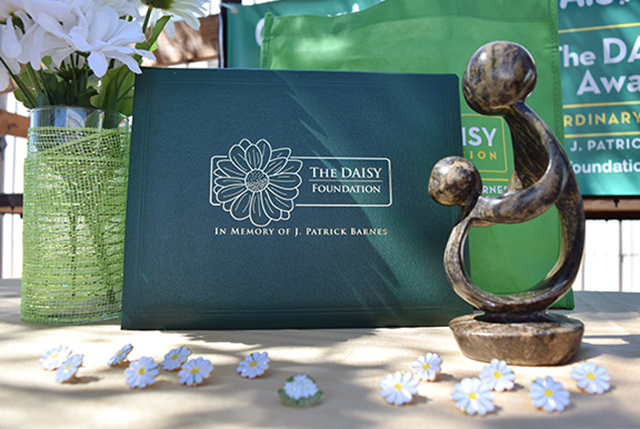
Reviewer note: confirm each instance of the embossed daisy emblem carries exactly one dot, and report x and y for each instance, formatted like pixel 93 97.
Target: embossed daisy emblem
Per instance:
pixel 257 182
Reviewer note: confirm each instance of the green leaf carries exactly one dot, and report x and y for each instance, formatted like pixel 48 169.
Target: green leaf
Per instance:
pixel 155 33
pixel 116 91
pixel 20 96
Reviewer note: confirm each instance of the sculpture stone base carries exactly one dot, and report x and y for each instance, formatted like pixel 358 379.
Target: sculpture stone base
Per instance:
pixel 554 340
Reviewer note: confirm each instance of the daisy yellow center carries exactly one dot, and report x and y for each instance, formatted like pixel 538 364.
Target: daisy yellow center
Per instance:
pixel 174 357
pixel 256 181
pixel 142 371
pixel 591 376
pixel 195 370
pixel 497 374
pixel 68 366
pixel 548 392
pixel 425 366
pixel 473 396
pixel 254 363
pixel 398 386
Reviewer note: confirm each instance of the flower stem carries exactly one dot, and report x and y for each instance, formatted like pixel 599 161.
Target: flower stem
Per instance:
pixel 20 84
pixel 34 79
pixel 147 17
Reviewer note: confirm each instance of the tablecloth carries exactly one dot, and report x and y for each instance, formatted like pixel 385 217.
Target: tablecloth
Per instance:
pixel 347 364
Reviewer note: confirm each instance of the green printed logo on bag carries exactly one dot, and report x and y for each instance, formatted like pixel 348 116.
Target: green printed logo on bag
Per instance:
pixel 484 142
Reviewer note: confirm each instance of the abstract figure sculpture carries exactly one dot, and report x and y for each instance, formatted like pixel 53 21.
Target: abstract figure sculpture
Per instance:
pixel 514 327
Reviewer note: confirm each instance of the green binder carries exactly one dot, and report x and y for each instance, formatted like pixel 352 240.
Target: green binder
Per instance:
pixel 440 36
pixel 281 199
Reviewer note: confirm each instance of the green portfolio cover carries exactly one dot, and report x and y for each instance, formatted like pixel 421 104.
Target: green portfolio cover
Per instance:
pixel 287 199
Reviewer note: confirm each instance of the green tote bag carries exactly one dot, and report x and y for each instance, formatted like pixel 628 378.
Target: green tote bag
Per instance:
pixel 440 36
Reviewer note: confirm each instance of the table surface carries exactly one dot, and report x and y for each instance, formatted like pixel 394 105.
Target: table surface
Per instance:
pixel 347 364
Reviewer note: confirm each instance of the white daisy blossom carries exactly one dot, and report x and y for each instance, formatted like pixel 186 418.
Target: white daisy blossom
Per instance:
pixel 8 7
pixel 69 368
pixel 254 365
pixel 141 373
pixel 120 355
pixel 591 377
pixel 399 388
pixel 195 371
pixel 473 396
pixel 498 375
pixel 175 358
pixel 98 32
pixel 10 48
pixel 5 78
pixel 427 367
pixel 54 357
pixel 125 7
pixel 548 394
pixel 185 10
pixel 9 39
pixel 300 387
pixel 38 16
pixel 69 46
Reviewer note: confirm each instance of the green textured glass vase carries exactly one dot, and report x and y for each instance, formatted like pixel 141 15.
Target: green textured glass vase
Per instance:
pixel 75 194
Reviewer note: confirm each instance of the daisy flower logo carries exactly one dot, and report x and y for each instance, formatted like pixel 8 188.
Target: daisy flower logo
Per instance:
pixel 254 365
pixel 591 377
pixel 257 182
pixel 175 358
pixel 399 388
pixel 548 394
pixel 473 396
pixel 498 375
pixel 195 371
pixel 141 373
pixel 427 367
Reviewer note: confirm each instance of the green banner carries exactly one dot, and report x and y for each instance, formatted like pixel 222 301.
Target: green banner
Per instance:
pixel 244 24
pixel 600 59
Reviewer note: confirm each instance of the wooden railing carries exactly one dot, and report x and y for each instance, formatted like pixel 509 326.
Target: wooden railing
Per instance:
pixel 13 125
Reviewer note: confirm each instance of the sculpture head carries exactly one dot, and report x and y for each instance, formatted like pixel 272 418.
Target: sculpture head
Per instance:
pixel 455 181
pixel 498 75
